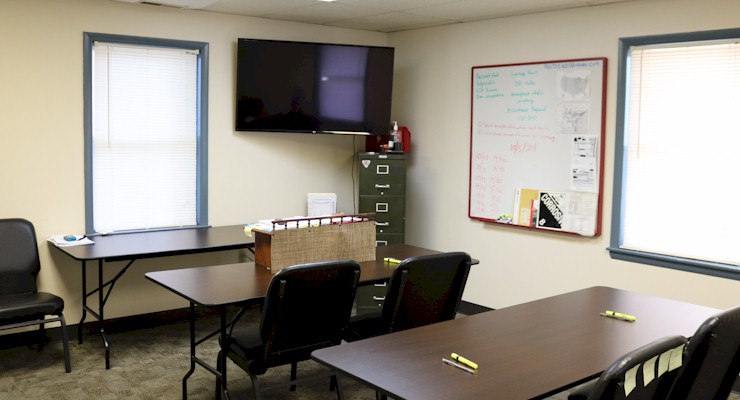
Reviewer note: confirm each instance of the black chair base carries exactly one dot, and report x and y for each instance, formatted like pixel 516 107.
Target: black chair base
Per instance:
pixel 41 323
pixel 260 390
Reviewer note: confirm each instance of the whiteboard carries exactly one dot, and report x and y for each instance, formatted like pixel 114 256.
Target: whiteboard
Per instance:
pixel 536 145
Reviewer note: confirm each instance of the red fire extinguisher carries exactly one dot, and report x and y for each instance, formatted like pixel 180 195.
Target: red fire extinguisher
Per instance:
pixel 378 143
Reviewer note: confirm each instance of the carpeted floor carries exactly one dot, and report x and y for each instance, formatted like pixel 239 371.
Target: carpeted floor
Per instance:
pixel 147 364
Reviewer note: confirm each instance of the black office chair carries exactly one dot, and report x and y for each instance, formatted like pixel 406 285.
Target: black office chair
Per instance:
pixel 305 309
pixel 712 359
pixel 651 380
pixel 422 290
pixel 21 304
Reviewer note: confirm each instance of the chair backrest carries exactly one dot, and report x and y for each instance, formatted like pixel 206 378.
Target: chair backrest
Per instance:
pixel 306 308
pixel 712 359
pixel 644 373
pixel 424 290
pixel 19 256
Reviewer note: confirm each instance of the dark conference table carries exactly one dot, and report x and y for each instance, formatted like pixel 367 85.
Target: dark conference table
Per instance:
pixel 134 246
pixel 527 351
pixel 219 286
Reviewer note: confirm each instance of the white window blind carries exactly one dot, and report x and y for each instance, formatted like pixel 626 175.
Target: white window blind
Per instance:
pixel 144 137
pixel 682 138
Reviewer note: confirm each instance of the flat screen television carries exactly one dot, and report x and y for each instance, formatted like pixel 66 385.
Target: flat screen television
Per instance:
pixel 284 86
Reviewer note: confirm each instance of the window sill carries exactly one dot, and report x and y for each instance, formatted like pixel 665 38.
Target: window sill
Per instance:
pixel 727 271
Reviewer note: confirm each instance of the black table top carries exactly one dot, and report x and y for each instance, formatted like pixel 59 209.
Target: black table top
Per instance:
pixel 235 283
pixel 531 350
pixel 216 285
pixel 128 246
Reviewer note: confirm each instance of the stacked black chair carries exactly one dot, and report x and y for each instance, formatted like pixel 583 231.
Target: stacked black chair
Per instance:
pixel 21 304
pixel 708 366
pixel 712 359
pixel 642 374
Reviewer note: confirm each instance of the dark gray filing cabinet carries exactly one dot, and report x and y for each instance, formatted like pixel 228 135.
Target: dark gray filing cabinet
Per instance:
pixel 383 192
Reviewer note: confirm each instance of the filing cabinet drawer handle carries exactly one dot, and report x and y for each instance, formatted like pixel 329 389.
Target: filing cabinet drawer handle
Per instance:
pixel 378 186
pixel 381 207
pixel 378 298
pixel 381 243
pixel 382 223
pixel 384 284
pixel 382 169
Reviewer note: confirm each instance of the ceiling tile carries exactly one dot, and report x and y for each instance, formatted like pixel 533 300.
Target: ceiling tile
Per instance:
pixel 598 2
pixel 382 15
pixel 322 12
pixel 395 5
pixel 257 8
pixel 466 10
pixel 391 22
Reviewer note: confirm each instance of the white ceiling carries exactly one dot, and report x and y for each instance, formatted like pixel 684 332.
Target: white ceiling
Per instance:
pixel 378 15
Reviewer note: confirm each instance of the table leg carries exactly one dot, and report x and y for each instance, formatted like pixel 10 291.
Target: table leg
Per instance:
pixel 100 313
pixel 101 319
pixel 84 301
pixel 192 352
pixel 102 299
pixel 224 350
pixel 220 369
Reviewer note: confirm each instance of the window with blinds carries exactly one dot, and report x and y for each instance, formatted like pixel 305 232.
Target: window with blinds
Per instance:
pixel 145 157
pixel 676 158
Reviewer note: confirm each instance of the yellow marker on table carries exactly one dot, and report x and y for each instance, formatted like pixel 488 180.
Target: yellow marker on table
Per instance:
pixel 620 316
pixel 391 260
pixel 463 360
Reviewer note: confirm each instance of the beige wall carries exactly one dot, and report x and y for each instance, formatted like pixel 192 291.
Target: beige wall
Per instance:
pixel 41 140
pixel 432 97
pixel 251 175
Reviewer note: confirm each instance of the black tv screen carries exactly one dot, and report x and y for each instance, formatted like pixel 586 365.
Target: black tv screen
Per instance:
pixel 304 87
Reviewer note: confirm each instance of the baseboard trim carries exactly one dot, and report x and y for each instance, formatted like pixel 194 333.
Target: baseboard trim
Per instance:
pixel 469 308
pixel 145 321
pixel 116 325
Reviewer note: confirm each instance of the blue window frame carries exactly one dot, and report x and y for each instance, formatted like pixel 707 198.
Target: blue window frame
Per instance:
pixel 676 135
pixel 146 120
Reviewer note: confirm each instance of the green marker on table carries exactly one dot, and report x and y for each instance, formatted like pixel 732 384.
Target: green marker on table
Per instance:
pixel 391 260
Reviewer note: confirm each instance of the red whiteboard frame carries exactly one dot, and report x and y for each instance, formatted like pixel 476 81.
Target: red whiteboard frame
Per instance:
pixel 598 64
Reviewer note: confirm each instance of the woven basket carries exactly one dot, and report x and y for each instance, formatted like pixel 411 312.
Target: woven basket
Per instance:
pixel 348 241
